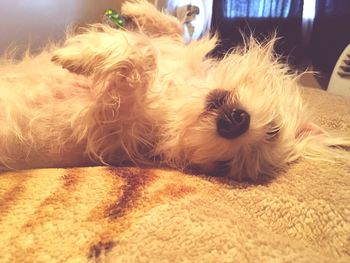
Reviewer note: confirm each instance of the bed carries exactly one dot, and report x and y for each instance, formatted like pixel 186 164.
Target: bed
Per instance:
pixel 129 214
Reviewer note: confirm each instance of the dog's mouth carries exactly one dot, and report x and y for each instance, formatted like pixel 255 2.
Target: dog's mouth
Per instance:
pixel 220 168
pixel 215 169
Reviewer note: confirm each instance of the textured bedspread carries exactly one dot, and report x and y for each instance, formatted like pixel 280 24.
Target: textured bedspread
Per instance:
pixel 142 215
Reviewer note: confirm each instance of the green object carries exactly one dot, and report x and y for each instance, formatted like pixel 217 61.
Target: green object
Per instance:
pixel 114 19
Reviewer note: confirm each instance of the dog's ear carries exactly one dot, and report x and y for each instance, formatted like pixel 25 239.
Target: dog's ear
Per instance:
pixel 317 135
pixel 310 128
pixel 102 49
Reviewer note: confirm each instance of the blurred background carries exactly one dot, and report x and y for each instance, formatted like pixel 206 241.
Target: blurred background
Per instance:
pixel 313 32
pixel 37 21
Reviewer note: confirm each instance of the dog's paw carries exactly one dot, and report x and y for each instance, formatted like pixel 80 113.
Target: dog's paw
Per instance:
pixel 130 56
pixel 145 17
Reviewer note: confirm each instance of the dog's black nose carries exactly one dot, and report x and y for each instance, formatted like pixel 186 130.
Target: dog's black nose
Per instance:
pixel 232 124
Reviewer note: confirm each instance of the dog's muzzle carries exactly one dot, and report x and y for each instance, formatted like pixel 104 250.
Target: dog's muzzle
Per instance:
pixel 232 123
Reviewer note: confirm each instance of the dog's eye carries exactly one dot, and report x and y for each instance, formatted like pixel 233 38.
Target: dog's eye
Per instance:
pixel 216 99
pixel 273 133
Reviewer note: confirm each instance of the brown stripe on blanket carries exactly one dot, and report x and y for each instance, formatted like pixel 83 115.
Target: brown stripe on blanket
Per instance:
pixel 100 249
pixel 11 195
pixel 71 179
pixel 10 198
pixel 69 182
pixel 135 180
pixel 142 190
pixel 66 212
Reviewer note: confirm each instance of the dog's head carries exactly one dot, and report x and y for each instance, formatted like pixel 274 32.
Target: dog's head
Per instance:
pixel 249 121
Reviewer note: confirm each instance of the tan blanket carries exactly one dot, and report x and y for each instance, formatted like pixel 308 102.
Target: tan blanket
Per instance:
pixel 137 215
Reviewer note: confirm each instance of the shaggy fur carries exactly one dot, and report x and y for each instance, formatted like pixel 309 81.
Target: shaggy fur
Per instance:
pixel 112 96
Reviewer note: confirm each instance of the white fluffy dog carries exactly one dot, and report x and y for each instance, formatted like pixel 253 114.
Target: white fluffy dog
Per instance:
pixel 112 96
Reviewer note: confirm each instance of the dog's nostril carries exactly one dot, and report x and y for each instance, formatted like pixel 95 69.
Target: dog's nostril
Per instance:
pixel 233 124
pixel 238 115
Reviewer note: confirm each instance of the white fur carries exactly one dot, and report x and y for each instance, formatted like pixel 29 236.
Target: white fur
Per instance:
pixel 114 96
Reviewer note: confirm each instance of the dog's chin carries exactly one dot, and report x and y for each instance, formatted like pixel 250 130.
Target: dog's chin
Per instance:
pixel 213 155
pixel 227 170
pixel 240 163
pixel 215 168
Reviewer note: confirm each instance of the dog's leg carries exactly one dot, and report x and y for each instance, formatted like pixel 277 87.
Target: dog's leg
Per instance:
pixel 122 66
pixel 102 50
pixel 145 16
pixel 118 61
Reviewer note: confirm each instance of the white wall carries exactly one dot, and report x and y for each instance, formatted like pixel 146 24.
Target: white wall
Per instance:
pixel 36 21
